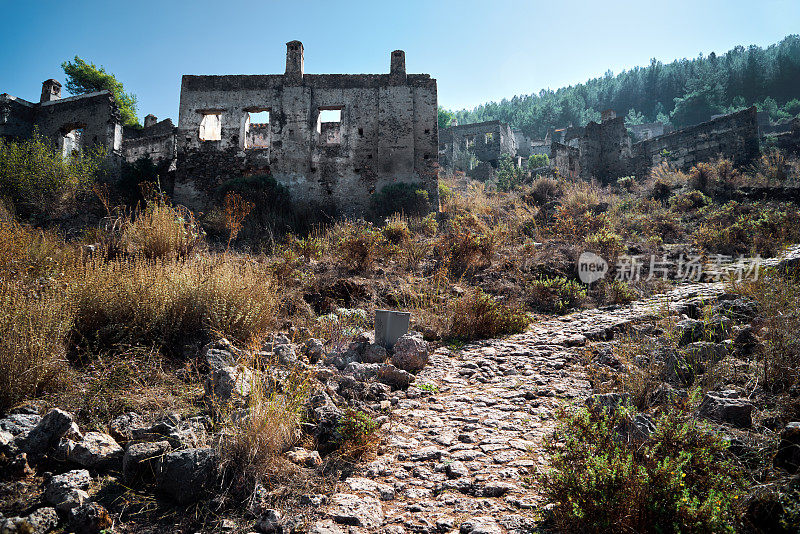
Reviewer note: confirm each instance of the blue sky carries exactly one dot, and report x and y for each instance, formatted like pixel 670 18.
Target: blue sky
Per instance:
pixel 478 50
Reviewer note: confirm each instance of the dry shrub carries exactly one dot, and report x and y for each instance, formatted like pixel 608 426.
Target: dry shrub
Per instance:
pixel 702 176
pixel 469 244
pixel 252 447
pixel 160 230
pixel 555 295
pixel 396 229
pixel 236 210
pixel 582 212
pixel 477 315
pixel 689 201
pixel 545 189
pixel 358 244
pixel 606 243
pixel 33 329
pixel 773 167
pixel 143 301
pixel 648 219
pixel 736 228
pixel 662 180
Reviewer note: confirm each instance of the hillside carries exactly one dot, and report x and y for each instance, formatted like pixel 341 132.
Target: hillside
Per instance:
pixel 683 92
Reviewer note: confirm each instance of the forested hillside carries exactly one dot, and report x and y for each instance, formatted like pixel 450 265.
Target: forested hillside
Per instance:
pixel 683 92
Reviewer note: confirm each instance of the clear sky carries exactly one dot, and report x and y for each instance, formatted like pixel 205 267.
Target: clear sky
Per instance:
pixel 477 50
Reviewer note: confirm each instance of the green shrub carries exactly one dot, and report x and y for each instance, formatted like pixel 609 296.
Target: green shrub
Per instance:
pixel 477 315
pixel 406 199
pixel 536 161
pixel 690 200
pixel 680 480
pixel 618 292
pixel 39 180
pixel 606 243
pixel 558 294
pixel 356 432
pixel 509 176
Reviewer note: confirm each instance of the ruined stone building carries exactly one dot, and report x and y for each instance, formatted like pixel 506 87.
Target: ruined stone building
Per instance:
pixel 78 123
pixel 605 150
pixel 648 130
pixel 332 139
pixel 72 124
pixel 463 147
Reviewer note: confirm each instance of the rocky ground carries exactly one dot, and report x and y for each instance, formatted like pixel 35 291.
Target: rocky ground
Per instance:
pixel 465 437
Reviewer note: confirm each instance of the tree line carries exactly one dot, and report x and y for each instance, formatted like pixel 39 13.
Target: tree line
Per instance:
pixel 683 93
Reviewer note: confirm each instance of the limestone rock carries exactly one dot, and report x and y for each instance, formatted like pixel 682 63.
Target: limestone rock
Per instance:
pixel 68 490
pixel 46 434
pixel 41 521
pixel 304 457
pixel 186 474
pixel 410 352
pixel 480 525
pixel 229 383
pixel 374 354
pixel 356 510
pixel 788 455
pixel 394 377
pixel 90 518
pixel 96 451
pixel 727 407
pixel 142 461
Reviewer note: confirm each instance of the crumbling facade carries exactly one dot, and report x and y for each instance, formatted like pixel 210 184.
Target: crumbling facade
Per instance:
pixel 463 147
pixel 73 124
pixel 332 139
pixel 605 150
pixel 157 141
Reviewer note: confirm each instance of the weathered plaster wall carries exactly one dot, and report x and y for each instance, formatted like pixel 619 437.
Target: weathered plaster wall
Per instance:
pixel 156 142
pixel 733 136
pixel 388 134
pixel 487 141
pixel 96 113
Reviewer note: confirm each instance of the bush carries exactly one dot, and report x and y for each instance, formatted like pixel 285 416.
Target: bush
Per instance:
pixel 39 180
pixel 509 176
pixel 689 201
pixel 358 244
pixel 396 230
pixel 144 302
pixel 680 480
pixel 556 294
pixel 544 189
pixel 606 243
pixel 356 433
pixel 737 228
pixel 33 330
pixel 477 315
pixel 536 161
pixel 702 177
pixel 406 199
pixel 469 244
pixel 160 230
pixel 618 292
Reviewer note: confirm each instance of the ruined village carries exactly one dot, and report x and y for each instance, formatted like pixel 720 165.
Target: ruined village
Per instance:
pixel 325 303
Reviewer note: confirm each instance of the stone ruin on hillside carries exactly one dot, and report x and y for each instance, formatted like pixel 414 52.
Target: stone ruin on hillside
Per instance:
pixel 332 139
pixel 477 148
pixel 605 151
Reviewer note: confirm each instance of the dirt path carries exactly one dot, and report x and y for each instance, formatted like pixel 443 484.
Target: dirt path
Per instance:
pixel 454 460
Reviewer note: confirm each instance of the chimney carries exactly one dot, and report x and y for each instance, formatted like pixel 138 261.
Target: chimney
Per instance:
pixel 150 120
pixel 294 61
pixel 397 70
pixel 51 90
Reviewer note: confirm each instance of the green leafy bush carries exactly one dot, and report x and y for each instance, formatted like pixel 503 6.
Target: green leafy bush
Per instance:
pixel 679 480
pixel 39 180
pixel 538 160
pixel 558 294
pixel 406 199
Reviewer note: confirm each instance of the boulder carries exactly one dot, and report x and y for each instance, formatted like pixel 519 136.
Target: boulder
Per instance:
pixel 270 522
pixel 16 424
pixel 704 354
pixel 689 331
pixel 123 426
pixel 229 384
pixel 97 450
pixel 410 352
pixel 726 407
pixel 46 434
pixel 324 417
pixel 304 457
pixel 395 378
pixel 187 474
pixel 285 354
pixel 180 433
pixel 314 349
pixel 666 395
pixel 142 461
pixel 68 490
pixel 41 521
pixel 356 510
pixel 788 455
pixel 745 342
pixel 374 354
pixel 89 518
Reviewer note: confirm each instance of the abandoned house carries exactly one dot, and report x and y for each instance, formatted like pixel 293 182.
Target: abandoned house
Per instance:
pixel 605 151
pixel 72 124
pixel 467 146
pixel 332 140
pixel 78 123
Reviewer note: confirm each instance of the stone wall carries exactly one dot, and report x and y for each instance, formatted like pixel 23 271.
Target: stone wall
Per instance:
pixel 733 136
pixel 605 150
pixel 486 141
pixel 387 133
pixel 155 141
pixel 566 159
pixel 16 117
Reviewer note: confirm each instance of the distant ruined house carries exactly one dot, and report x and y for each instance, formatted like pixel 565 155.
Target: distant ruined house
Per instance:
pixel 463 147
